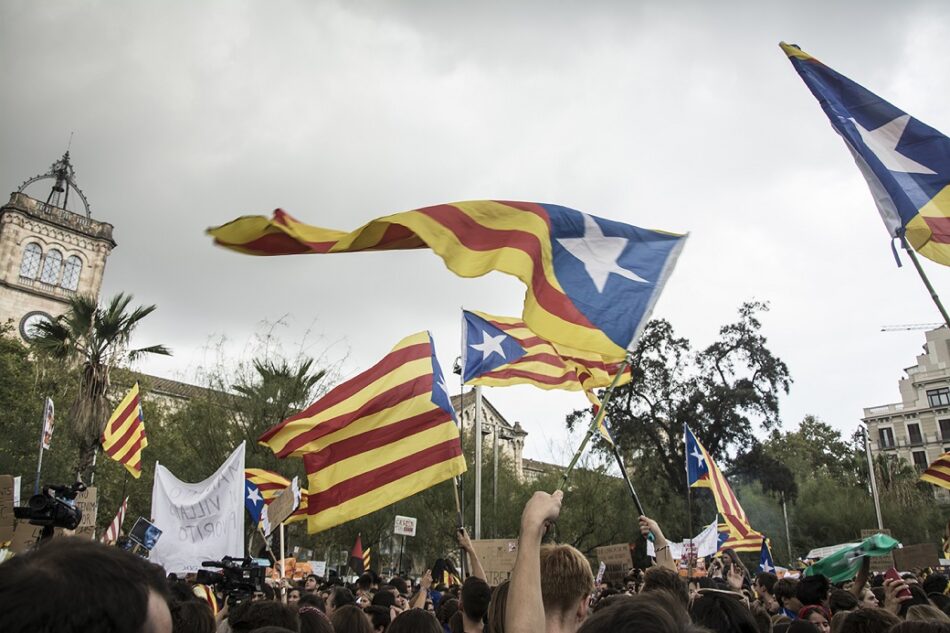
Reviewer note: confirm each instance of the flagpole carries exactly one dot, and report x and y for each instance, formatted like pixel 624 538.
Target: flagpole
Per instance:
pixel 283 563
pixel 930 288
pixel 593 426
pixel 39 461
pixel 788 536
pixel 478 462
pixel 877 500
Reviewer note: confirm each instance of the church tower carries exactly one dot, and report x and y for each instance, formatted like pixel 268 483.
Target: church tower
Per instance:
pixel 48 252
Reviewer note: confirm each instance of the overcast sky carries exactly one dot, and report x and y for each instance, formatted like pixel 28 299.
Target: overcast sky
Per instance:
pixel 679 116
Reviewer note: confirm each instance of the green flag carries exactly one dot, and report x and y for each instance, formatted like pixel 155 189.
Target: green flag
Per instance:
pixel 845 563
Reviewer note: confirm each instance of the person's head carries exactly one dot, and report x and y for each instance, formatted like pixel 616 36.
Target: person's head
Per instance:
pixel 662 578
pixel 817 615
pixel 249 616
pixel 364 582
pixel 383 599
pixel 837 621
pixel 311 583
pixel 350 619
pixel 813 590
pixel 785 591
pixel 476 594
pixel 762 618
pixel 926 613
pixel 656 612
pixel 447 608
pixel 312 620
pixel 917 597
pixel 935 583
pixel 311 600
pixel 801 626
pixel 764 583
pixel 869 621
pixel 192 616
pixel 400 584
pixel 498 607
pixel 73 584
pixel 379 617
pixel 722 612
pixel 415 621
pixel 339 597
pixel 566 584
pixel 841 600
pixel 293 596
pixel 868 599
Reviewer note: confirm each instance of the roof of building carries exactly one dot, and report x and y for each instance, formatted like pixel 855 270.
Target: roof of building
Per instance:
pixel 468 399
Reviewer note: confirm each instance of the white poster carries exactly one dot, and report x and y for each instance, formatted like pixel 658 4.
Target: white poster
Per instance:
pixel 706 543
pixel 202 521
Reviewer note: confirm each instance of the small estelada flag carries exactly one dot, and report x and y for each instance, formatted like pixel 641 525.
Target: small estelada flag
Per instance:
pixel 356 556
pixel 49 418
pixel 124 436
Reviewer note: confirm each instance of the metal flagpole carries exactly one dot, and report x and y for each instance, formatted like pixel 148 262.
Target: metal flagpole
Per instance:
pixel 877 500
pixel 478 462
pixel 39 461
pixel 283 570
pixel 788 536
pixel 593 426
pixel 930 289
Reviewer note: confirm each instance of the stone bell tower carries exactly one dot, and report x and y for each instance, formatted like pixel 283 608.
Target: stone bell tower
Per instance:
pixel 48 251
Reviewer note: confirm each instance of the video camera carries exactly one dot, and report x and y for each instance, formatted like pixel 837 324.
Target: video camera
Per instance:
pixel 54 507
pixel 239 578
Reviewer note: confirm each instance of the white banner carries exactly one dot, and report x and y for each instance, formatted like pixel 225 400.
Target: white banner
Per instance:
pixel 706 543
pixel 202 521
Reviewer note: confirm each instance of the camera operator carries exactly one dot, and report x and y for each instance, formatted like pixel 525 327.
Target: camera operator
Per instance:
pixel 72 585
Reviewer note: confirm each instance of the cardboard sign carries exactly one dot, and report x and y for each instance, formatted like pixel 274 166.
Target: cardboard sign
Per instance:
pixel 88 502
pixel 618 561
pixel 6 508
pixel 879 564
pixel 916 556
pixel 318 568
pixel 282 506
pixel 25 536
pixel 405 526
pixel 497 557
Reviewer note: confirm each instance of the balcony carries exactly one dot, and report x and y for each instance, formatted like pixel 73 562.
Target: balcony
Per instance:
pixel 45 288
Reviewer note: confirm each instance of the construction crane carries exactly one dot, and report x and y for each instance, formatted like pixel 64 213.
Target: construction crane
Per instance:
pixel 911 326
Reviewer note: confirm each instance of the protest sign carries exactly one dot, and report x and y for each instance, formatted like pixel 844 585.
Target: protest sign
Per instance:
pixel 6 508
pixel 201 521
pixel 282 506
pixel 88 502
pixel 318 568
pixel 497 557
pixel 618 560
pixel 26 535
pixel 879 564
pixel 406 526
pixel 918 556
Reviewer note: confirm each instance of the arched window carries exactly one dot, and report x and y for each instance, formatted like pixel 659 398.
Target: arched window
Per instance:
pixel 51 267
pixel 30 264
pixel 71 273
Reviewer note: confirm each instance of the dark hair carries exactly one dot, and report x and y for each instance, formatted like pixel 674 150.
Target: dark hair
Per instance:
pixel 934 583
pixel 192 616
pixel 350 619
pixel 415 621
pixel 378 616
pixel 919 626
pixel 312 620
pixel 254 615
pixel 869 621
pixel 722 613
pixel 498 607
pixel 365 581
pixel 917 596
pixel 784 589
pixel 655 613
pixel 311 600
pixel 383 598
pixel 662 578
pixel 446 610
pixel 801 626
pixel 762 618
pixel 813 589
pixel 767 579
pixel 341 597
pixel 476 594
pixel 402 587
pixel 841 600
pixel 73 584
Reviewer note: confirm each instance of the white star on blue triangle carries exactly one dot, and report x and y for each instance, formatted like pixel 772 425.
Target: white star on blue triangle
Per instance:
pixel 253 501
pixel 487 347
pixel 696 465
pixel 440 392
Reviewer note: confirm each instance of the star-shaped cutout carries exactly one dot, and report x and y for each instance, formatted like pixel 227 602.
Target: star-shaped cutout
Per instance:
pixel 766 567
pixel 599 254
pixel 882 141
pixel 699 456
pixel 490 345
pixel 254 495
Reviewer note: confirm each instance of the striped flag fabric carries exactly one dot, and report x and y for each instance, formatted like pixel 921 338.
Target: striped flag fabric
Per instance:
pixel 357 557
pixel 503 351
pixel 112 533
pixel 729 540
pixel 270 484
pixel 367 559
pixel 591 282
pixel 702 472
pixel 376 438
pixel 938 473
pixel 124 436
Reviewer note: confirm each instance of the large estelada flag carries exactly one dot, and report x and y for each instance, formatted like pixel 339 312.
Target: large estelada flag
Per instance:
pixel 938 473
pixel 268 485
pixel 502 351
pixel 124 436
pixel 376 438
pixel 591 282
pixel 905 162
pixel 702 472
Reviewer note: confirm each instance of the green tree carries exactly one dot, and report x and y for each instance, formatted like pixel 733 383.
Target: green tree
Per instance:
pixel 93 339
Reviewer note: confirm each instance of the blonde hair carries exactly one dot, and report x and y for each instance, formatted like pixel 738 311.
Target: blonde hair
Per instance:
pixel 926 613
pixel 566 577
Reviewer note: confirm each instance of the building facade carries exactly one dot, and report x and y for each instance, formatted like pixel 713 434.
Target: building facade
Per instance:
pixel 510 437
pixel 49 253
pixel 917 429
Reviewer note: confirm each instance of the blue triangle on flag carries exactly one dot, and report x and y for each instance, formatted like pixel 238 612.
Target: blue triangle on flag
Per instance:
pixel 485 347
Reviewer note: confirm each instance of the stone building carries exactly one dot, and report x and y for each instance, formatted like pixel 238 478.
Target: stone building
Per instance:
pixel 494 425
pixel 49 252
pixel 917 429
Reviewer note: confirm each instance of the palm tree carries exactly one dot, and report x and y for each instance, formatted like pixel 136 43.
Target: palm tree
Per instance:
pixel 95 339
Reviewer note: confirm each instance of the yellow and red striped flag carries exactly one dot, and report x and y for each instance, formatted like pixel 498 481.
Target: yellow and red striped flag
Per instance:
pixel 379 437
pixel 124 436
pixel 367 559
pixel 591 282
pixel 270 484
pixel 702 472
pixel 938 473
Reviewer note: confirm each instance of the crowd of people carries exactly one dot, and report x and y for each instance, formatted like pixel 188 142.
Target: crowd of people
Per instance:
pixel 73 585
